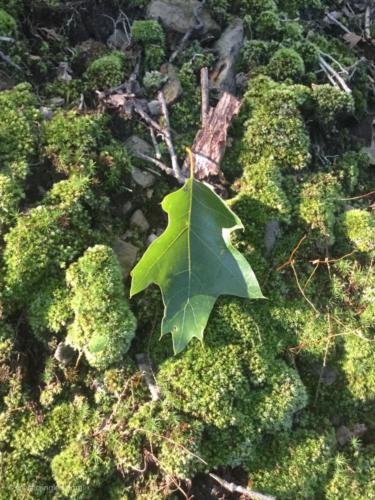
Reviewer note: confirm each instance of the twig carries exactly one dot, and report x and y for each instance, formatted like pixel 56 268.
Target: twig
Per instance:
pixel 291 257
pixel 145 367
pixel 367 195
pixel 156 162
pixel 148 119
pixel 205 90
pixel 234 488
pixel 338 23
pixel 6 39
pixel 333 75
pixel 324 365
pixel 367 23
pixel 9 61
pixel 168 139
pixel 301 289
pixel 155 144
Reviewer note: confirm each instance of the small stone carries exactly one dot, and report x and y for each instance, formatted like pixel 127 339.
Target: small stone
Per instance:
pixel 151 238
pixel 154 108
pixel 127 255
pixel 343 435
pixel 143 178
pixel 57 102
pixel 64 353
pixel 136 145
pixel 271 233
pixel 149 194
pixel 118 40
pixel 127 207
pixel 359 430
pixel 138 219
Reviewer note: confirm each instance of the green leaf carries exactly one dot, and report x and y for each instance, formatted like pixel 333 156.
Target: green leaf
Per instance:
pixel 193 262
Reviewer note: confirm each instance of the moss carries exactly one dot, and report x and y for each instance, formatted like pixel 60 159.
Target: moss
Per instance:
pixel 332 104
pixel 103 325
pixel 8 24
pixel 50 310
pixel 256 7
pixel 256 53
pixel 319 205
pixel 286 64
pixel 18 124
pixel 153 80
pixel 229 391
pixel 71 141
pixel 48 238
pixel 276 129
pixel 353 475
pixel 25 476
pixel 147 32
pixel 80 469
pixel 358 367
pixel 359 226
pixel 302 461
pixel 106 72
pixel 268 24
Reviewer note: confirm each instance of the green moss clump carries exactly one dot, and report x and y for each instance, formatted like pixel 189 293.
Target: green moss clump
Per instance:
pixel 106 72
pixel 276 129
pixel 332 104
pixel 8 24
pixel 48 238
pixel 80 469
pixel 268 24
pixel 319 205
pixel 358 366
pixel 286 64
pixel 354 474
pixel 359 226
pixel 72 141
pixel 147 32
pixel 154 80
pixel 50 310
pixel 104 325
pixel 256 53
pixel 302 461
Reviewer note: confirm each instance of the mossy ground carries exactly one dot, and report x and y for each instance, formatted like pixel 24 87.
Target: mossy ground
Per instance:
pixel 267 395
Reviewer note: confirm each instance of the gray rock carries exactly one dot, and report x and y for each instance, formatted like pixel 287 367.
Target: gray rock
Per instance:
pixel 64 353
pixel 118 40
pixel 127 207
pixel 151 238
pixel 57 102
pixel 46 112
pixel 143 178
pixel 137 145
pixel 138 219
pixel 127 254
pixel 177 15
pixel 228 47
pixel 343 435
pixel 172 89
pixel 154 108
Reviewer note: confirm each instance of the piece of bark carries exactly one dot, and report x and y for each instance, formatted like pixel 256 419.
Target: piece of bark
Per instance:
pixel 210 142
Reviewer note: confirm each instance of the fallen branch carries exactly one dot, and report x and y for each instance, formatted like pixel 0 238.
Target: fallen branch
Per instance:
pixel 234 488
pixel 9 61
pixel 211 140
pixel 168 139
pixel 333 76
pixel 368 23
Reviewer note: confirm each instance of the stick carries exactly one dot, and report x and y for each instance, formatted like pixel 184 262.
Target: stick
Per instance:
pixel 234 488
pixel 9 61
pixel 205 96
pixel 155 144
pixel 334 20
pixel 156 162
pixel 168 139
pixel 328 68
pixel 145 367
pixel 367 23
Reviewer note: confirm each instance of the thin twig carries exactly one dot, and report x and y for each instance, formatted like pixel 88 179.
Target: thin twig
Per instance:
pixel 367 195
pixel 338 23
pixel 327 68
pixel 324 365
pixel 155 144
pixel 368 23
pixel 205 91
pixel 156 162
pixel 168 138
pixel 301 289
pixel 9 61
pixel 234 488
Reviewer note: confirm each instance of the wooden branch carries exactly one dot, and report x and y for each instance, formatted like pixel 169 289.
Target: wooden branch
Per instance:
pixel 327 68
pixel 210 142
pixel 234 488
pixel 166 130
pixel 9 61
pixel 368 23
pixel 156 162
pixel 145 367
pixel 205 91
pixel 155 144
